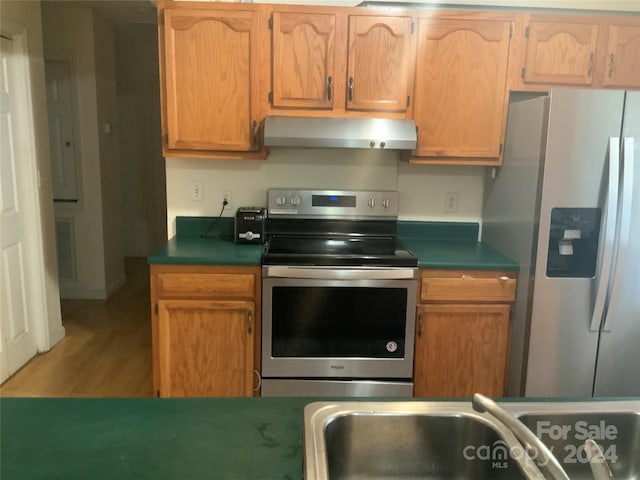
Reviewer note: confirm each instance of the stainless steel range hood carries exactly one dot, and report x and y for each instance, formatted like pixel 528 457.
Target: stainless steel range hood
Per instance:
pixel 395 134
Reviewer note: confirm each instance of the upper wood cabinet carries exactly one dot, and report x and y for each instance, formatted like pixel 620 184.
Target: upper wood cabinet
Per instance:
pixel 209 60
pixel 331 62
pixel 585 51
pixel 460 89
pixel 379 63
pixel 560 52
pixel 622 56
pixel 303 60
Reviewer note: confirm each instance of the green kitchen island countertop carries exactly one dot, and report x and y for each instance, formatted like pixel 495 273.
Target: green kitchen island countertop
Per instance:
pixel 155 439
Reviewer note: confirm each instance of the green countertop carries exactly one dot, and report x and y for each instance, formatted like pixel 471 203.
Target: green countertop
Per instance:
pixel 451 245
pixel 155 439
pixel 442 245
pixel 206 241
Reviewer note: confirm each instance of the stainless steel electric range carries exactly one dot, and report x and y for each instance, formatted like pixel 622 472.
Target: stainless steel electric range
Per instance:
pixel 339 295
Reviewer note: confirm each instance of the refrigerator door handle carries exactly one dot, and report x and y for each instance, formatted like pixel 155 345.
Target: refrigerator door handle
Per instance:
pixel 609 234
pixel 625 221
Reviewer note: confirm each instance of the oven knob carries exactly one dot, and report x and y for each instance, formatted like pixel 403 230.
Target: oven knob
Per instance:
pixel 280 200
pixel 295 201
pixel 386 203
pixel 372 202
pixel 248 235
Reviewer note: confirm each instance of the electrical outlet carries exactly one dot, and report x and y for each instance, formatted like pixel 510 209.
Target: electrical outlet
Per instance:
pixel 197 193
pixel 451 202
pixel 226 196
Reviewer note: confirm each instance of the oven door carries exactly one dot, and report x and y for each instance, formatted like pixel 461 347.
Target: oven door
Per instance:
pixel 331 322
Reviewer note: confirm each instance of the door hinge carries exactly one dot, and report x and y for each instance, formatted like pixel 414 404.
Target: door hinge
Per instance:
pixel 523 72
pixel 270 23
pixel 270 97
pixel 158 393
pixel 413 27
pixel 165 139
pixel 408 100
pixel 526 32
pixel 155 309
pixel 500 152
pixel 161 18
pixel 510 30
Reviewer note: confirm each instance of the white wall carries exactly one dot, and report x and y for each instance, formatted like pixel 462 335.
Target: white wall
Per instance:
pixel 141 162
pixel 422 188
pixel 71 31
pixel 108 144
pixel 28 15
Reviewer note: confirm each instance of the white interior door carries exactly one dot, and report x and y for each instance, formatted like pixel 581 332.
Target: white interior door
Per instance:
pixel 18 341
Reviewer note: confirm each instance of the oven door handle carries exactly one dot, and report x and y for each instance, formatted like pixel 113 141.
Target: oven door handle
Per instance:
pixel 333 273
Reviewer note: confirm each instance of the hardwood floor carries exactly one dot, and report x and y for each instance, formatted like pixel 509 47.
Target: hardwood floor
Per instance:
pixel 106 351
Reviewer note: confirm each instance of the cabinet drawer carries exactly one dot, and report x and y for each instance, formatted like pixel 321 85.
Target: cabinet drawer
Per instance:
pixel 205 285
pixel 467 286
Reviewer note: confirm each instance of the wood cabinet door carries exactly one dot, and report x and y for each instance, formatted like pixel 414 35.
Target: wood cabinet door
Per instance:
pixel 461 349
pixel 460 91
pixel 303 60
pixel 210 79
pixel 560 52
pixel 379 63
pixel 205 348
pixel 622 61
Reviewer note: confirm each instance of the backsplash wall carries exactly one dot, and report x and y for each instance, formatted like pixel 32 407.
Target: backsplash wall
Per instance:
pixel 422 187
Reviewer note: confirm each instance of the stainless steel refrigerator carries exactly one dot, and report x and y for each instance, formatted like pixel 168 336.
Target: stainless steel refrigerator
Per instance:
pixel 566 205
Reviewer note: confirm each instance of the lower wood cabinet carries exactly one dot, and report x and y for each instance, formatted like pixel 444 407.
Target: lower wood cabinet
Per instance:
pixel 204 330
pixel 462 333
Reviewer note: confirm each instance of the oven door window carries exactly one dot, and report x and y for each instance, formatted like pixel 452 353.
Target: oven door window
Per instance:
pixel 328 321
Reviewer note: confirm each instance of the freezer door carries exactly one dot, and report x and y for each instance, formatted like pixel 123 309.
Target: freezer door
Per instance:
pixel 617 373
pixel 562 345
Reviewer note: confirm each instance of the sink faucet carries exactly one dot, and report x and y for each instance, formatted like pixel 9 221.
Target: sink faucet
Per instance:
pixel 533 446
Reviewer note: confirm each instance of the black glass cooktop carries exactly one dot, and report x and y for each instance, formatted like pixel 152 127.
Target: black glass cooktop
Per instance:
pixel 337 250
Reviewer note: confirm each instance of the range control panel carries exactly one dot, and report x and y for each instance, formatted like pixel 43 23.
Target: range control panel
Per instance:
pixel 301 203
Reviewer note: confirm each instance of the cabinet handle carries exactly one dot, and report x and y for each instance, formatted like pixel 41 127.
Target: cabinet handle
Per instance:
pixel 259 386
pixel 350 88
pixel 329 87
pixel 503 279
pixel 612 65
pixel 420 322
pixel 249 323
pixel 254 134
pixel 590 64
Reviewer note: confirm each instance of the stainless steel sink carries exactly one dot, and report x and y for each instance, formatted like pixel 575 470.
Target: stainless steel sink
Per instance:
pixel 449 440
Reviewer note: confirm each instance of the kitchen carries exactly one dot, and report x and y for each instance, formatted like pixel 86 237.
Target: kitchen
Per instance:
pixel 414 210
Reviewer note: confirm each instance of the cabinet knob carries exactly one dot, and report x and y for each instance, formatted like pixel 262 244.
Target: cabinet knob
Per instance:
pixel 503 279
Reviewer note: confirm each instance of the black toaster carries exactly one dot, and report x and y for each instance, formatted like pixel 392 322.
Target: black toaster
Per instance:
pixel 250 225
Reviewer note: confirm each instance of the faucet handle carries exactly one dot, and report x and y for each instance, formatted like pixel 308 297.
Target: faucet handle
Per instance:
pixel 533 446
pixel 599 466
